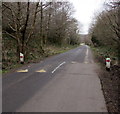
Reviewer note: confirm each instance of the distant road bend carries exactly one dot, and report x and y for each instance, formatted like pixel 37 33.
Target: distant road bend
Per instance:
pixel 65 82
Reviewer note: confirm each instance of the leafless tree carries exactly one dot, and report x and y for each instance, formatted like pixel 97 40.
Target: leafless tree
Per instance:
pixel 40 23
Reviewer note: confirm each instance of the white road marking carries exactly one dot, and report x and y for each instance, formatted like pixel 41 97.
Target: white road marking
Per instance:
pixel 86 57
pixel 73 62
pixel 58 67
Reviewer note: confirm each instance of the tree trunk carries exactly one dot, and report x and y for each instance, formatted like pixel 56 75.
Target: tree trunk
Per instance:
pixel 41 27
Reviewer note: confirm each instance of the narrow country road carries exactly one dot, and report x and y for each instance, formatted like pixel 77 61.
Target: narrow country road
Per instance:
pixel 66 82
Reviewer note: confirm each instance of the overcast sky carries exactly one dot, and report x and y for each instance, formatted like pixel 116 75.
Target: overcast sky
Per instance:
pixel 85 10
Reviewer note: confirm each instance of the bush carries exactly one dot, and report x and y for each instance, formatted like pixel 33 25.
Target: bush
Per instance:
pixel 95 41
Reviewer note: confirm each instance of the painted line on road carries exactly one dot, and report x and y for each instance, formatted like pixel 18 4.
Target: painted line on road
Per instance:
pixel 58 67
pixel 26 70
pixel 73 62
pixel 42 70
pixel 86 57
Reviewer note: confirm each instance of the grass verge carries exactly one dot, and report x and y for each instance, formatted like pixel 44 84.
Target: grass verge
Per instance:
pixel 36 56
pixel 110 81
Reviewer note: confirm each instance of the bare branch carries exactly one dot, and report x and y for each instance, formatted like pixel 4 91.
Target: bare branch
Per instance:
pixel 27 19
pixel 33 25
pixel 6 6
pixel 45 5
pixel 11 27
pixel 10 35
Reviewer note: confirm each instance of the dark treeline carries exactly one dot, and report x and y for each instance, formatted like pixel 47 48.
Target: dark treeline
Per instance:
pixel 105 31
pixel 28 26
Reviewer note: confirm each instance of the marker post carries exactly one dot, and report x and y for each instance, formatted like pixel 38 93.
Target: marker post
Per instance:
pixel 21 58
pixel 108 60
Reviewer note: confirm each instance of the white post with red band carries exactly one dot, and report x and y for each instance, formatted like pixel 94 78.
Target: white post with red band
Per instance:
pixel 21 58
pixel 108 60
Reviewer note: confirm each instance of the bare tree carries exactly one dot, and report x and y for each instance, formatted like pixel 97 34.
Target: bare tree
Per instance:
pixel 18 23
pixel 36 24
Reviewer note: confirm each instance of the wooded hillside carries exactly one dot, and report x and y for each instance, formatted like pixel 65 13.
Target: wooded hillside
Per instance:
pixel 105 31
pixel 30 27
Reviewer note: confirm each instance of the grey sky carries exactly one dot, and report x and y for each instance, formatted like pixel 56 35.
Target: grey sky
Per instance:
pixel 85 11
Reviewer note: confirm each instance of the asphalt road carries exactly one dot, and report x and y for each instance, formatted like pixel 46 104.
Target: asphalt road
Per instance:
pixel 66 82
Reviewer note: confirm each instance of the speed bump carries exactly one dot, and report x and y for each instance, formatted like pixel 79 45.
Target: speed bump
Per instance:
pixel 42 70
pixel 26 70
